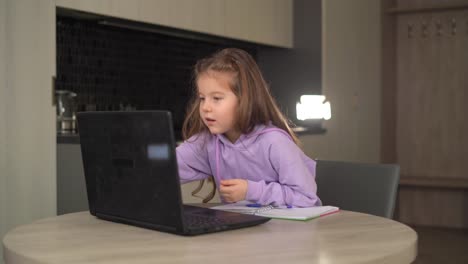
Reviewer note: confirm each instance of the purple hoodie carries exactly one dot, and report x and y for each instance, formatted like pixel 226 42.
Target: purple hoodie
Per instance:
pixel 276 169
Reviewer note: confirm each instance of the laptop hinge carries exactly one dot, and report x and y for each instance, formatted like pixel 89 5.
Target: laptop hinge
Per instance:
pixel 135 222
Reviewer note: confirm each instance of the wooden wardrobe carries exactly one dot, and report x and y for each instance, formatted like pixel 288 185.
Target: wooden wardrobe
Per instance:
pixel 425 108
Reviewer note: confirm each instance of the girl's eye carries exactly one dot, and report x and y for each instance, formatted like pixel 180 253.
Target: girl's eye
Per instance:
pixel 201 98
pixel 217 98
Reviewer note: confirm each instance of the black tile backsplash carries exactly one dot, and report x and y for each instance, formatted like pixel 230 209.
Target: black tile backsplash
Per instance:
pixel 112 68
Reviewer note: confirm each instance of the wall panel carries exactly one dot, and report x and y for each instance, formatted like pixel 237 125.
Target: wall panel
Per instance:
pixel 30 116
pixel 3 115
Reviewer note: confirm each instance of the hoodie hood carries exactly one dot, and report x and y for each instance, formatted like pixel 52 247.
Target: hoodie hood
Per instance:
pixel 245 140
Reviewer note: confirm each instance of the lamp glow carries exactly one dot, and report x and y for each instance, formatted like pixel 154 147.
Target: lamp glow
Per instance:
pixel 313 107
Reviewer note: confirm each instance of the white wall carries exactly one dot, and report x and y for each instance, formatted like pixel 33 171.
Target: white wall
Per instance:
pixel 351 81
pixel 27 117
pixel 2 122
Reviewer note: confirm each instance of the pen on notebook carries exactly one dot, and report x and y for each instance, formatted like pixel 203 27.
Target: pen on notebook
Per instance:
pixel 253 205
pixel 259 205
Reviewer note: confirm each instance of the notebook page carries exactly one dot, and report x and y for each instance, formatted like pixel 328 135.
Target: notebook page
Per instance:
pixel 278 212
pixel 299 213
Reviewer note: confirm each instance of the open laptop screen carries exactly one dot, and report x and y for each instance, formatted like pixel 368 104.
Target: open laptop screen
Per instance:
pixel 127 160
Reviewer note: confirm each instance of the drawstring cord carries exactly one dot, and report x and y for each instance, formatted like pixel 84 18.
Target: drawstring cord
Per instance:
pixel 216 177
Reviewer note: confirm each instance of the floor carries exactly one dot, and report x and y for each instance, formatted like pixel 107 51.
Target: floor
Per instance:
pixel 441 245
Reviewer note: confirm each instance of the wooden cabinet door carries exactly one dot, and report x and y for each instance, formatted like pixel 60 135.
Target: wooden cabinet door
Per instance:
pixel 267 22
pixel 262 21
pixel 206 16
pixel 431 91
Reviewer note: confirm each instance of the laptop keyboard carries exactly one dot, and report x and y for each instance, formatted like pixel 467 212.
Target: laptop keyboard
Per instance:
pixel 193 220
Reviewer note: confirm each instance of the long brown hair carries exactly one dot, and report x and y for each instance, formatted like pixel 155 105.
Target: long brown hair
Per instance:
pixel 256 104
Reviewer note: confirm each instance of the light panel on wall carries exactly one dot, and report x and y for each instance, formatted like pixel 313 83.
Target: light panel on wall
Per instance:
pixel 313 107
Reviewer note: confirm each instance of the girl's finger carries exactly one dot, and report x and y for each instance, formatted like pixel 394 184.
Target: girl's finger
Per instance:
pixel 228 182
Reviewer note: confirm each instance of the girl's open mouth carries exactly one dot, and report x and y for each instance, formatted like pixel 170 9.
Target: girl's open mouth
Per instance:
pixel 209 120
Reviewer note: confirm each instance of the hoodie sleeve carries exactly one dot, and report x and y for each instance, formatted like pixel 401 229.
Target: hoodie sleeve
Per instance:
pixel 192 159
pixel 296 177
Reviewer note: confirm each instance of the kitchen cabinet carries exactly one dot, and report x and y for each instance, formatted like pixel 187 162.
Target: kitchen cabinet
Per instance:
pixel 284 25
pixel 154 11
pixel 116 8
pixel 206 16
pixel 71 186
pixel 261 21
pixel 268 22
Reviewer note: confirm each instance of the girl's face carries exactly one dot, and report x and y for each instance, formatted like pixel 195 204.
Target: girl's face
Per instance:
pixel 218 104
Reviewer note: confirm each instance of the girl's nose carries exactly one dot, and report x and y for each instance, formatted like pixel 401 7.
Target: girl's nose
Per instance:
pixel 206 107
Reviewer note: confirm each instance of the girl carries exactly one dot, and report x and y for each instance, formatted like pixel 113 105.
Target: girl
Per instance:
pixel 237 133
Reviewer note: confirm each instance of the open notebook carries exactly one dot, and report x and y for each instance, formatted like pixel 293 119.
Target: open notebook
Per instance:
pixel 283 212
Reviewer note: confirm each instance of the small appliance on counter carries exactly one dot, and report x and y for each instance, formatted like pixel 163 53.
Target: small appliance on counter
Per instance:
pixel 66 111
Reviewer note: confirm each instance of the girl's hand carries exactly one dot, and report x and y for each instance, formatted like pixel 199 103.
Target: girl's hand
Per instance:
pixel 233 190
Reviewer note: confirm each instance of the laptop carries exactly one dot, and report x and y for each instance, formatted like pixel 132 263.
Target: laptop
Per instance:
pixel 131 175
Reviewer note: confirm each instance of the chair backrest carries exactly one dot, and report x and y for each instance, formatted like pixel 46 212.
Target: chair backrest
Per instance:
pixel 359 187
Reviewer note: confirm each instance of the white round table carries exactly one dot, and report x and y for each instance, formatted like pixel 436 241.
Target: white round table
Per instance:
pixel 344 237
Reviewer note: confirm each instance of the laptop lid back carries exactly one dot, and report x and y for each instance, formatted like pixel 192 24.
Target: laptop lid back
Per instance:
pixel 131 167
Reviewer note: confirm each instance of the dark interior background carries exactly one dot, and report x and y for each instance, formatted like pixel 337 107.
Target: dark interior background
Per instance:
pixel 114 68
